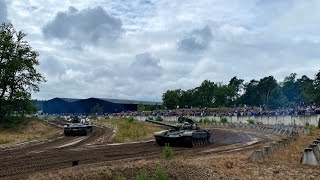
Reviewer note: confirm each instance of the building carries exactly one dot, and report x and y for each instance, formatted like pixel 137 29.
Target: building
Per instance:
pixel 90 105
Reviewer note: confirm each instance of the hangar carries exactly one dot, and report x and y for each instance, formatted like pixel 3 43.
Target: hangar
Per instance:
pixel 85 106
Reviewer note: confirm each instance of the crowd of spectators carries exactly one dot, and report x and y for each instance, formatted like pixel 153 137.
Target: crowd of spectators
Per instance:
pixel 246 111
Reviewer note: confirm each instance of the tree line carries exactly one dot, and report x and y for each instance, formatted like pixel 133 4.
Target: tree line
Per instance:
pixel 267 92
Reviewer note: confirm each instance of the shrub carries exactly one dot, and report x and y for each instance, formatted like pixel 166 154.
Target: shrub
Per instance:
pixel 159 118
pixel 319 123
pixel 200 121
pixel 214 121
pixel 312 130
pixel 223 120
pixel 206 121
pixel 130 119
pixel 4 141
pixel 150 118
pixel 295 137
pixel 307 124
pixel 160 174
pixel 250 121
pixel 119 177
pixel 167 152
pixel 142 175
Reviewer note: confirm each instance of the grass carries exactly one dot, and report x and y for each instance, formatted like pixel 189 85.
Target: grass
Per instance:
pixel 130 130
pixel 27 130
pixel 167 152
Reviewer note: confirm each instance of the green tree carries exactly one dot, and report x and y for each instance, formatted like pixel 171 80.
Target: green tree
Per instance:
pixel 290 88
pixel 187 99
pixel 317 88
pixel 171 98
pixel 251 96
pixel 235 87
pixel 18 75
pixel 266 86
pixel 204 94
pixel 306 89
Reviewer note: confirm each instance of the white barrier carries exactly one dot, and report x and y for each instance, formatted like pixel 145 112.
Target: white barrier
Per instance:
pixel 267 120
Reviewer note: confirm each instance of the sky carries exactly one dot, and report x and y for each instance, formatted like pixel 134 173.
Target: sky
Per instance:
pixel 138 49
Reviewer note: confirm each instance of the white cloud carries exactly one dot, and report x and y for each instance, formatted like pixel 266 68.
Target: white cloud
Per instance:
pixel 145 67
pixel 94 49
pixel 85 26
pixel 3 11
pixel 197 40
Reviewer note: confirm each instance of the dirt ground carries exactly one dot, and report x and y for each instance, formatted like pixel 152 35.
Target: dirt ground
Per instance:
pixel 283 164
pixel 225 158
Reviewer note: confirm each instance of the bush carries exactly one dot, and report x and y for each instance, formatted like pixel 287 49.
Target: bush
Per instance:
pixel 167 152
pixel 130 119
pixel 214 121
pixel 16 122
pixel 160 174
pixel 142 175
pixel 206 121
pixel 150 118
pixel 307 124
pixel 159 118
pixel 119 177
pixel 250 121
pixel 319 123
pixel 312 130
pixel 223 120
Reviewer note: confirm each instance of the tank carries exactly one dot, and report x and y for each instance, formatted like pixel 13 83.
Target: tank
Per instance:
pixel 77 126
pixel 184 133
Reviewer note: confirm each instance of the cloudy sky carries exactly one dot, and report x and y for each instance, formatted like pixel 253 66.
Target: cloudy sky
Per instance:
pixel 138 49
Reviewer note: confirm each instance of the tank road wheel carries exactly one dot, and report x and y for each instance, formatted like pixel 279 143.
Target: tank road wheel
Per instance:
pixel 160 142
pixel 85 132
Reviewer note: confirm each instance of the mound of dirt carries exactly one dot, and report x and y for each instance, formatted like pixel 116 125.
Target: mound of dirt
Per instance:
pixel 36 126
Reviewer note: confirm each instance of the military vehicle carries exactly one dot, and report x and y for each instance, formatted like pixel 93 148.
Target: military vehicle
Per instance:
pixel 77 126
pixel 184 133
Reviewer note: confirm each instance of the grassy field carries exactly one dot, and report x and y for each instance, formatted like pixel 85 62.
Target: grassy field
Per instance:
pixel 28 130
pixel 130 131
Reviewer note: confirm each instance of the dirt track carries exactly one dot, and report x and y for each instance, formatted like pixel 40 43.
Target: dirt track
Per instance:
pixel 59 152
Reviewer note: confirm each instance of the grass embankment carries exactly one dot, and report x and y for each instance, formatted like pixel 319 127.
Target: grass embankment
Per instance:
pixel 25 130
pixel 131 130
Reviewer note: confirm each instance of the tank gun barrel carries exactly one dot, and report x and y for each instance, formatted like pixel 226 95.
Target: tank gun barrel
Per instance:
pixel 163 124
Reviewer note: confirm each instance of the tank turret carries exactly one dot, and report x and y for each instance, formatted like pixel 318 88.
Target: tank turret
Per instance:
pixel 185 133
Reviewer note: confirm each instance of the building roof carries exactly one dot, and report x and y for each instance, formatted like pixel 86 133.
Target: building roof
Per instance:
pixel 118 101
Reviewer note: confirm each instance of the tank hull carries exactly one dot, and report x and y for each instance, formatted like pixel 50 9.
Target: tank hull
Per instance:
pixel 77 130
pixel 182 138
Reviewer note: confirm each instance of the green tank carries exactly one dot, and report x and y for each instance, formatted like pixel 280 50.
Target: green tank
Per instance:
pixel 184 133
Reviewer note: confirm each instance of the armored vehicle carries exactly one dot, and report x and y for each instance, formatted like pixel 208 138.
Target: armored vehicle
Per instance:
pixel 184 133
pixel 77 126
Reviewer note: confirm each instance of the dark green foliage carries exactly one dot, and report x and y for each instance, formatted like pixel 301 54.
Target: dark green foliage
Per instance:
pixel 223 120
pixel 250 121
pixel 15 122
pixel 160 174
pixel 167 152
pixel 206 121
pixel 171 99
pixel 319 123
pixel 266 91
pixel 159 118
pixel 130 119
pixel 142 175
pixel 18 75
